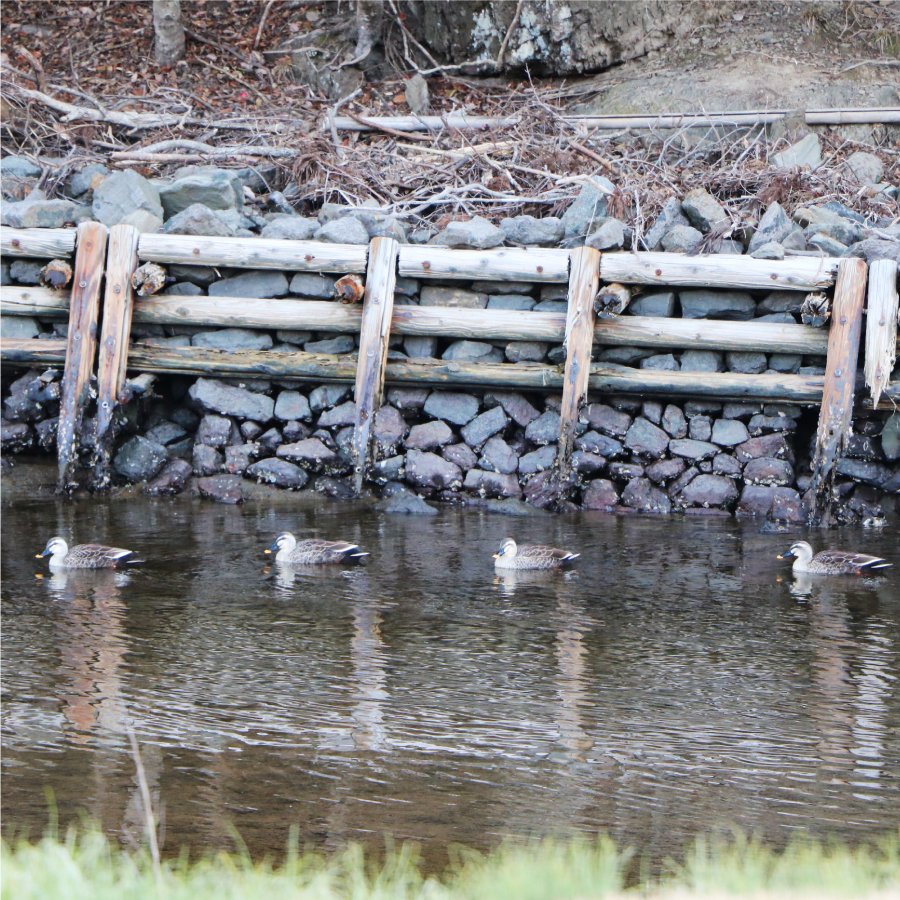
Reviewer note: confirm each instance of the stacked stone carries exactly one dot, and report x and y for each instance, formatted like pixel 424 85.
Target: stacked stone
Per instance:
pixel 27 273
pixel 30 413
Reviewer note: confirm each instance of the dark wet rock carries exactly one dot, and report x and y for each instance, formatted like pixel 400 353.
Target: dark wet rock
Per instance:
pixel 232 340
pixel 872 473
pixel 199 275
pixel 710 490
pixel 239 457
pixel 498 456
pixel 526 351
pixel 664 470
pixel 646 439
pixel 622 471
pixel 313 286
pixel 180 289
pixel 389 429
pixel 599 444
pixel 600 494
pixel 505 287
pixel 693 449
pixel 606 420
pixel 206 460
pixel 538 460
pixel 408 398
pixel 476 234
pixel 391 469
pixel 458 409
pixel 345 414
pixel 214 431
pixel 655 305
pixel 533 232
pixel 167 433
pixel 14 436
pixel 312 454
pixel 775 445
pixel 46 433
pixel 512 301
pixel 124 193
pixel 789 363
pixel 507 506
pixel 741 410
pixel 707 304
pixel 861 446
pixel 427 470
pixel 173 479
pixel 700 428
pixel 256 284
pixel 455 297
pixel 405 503
pixel 674 422
pixel 472 351
pixel 279 472
pixel 197 219
pixel 681 239
pixel 221 488
pixel 780 503
pixel 327 396
pixel 589 206
pixel 461 455
pixel 140 459
pixel 702 361
pixel 586 463
pixel 727 465
pixel 767 424
pixel 514 405
pixel 663 362
pixel 544 429
pixel 492 484
pixel 652 411
pixel 292 405
pixel 682 481
pixel 342 343
pixel 484 426
pixel 290 228
pixel 768 471
pixel 294 431
pixel 641 495
pixel 747 363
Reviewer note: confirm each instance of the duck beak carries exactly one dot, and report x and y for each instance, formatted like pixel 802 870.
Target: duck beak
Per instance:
pixel 38 555
pixel 273 548
pixel 496 556
pixel 781 556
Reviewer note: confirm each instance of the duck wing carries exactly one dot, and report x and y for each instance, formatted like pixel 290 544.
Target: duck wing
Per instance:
pixel 533 551
pixel 850 560
pixel 96 555
pixel 317 545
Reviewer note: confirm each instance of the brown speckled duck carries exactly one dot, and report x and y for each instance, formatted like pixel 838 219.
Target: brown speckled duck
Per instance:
pixel 82 556
pixel 511 556
pixel 290 551
pixel 832 562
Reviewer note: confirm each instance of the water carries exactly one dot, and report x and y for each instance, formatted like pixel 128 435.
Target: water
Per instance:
pixel 679 681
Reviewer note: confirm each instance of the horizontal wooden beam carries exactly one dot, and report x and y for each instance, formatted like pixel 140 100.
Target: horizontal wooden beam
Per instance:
pixel 50 243
pixel 16 300
pixel 253 253
pixel 545 265
pixel 30 351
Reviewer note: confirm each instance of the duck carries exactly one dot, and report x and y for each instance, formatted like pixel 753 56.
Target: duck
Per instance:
pixel 314 551
pixel 529 556
pixel 832 562
pixel 82 556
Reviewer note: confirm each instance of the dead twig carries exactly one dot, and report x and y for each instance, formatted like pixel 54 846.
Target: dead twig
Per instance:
pixel 149 823
pixel 262 22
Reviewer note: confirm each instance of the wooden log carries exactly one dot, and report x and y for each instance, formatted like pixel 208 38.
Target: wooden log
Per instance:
pixel 80 346
pixel 118 301
pixel 720 271
pixel 41 302
pixel 253 253
pixel 40 242
pixel 378 304
pixel 584 281
pixel 505 264
pixel 30 351
pixel 840 382
pixel 881 326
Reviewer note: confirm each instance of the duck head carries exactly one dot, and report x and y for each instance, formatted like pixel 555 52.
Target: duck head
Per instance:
pixel 285 542
pixel 56 546
pixel 507 549
pixel 800 550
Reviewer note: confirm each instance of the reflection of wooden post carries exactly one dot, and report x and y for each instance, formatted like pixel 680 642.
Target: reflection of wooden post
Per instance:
pixel 881 326
pixel 82 342
pixel 381 276
pixel 584 280
pixel 840 381
pixel 118 301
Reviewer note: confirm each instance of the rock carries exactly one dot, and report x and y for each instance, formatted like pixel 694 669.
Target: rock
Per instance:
pixel 197 220
pixel 216 396
pixel 389 429
pixel 123 193
pixel 866 167
pixel 767 471
pixel 290 228
pixel 609 236
pixel 213 188
pixel 705 304
pixel 238 458
pixel 310 453
pixel 316 287
pixel 427 470
pixel 335 488
pixel 544 429
pixel 279 472
pixel 702 361
pixel 622 471
pixel 458 409
pixel 221 488
pixel 600 494
pixel 586 463
pixel 14 436
pixel 199 275
pixel 727 465
pixel 775 445
pixel 405 503
pixel 728 432
pixel 292 405
pixel 257 284
pixel 599 444
pixel 20 327
pixel 681 239
pixel 674 422
pixel 773 226
pixel 35 211
pixel 656 305
pixel 605 419
pixel 746 363
pixel 693 449
pixel 843 231
pixel 664 362
pixel 710 490
pixel 664 470
pixel 139 459
pixel 460 455
pixel 233 340
pixel 741 410
pixel 476 234
pixel 702 210
pixel 492 484
pixel 670 216
pixel 785 362
pixel 408 398
pixel 646 439
pixel 417 99
pixel 469 351
pixel 19 166
pixel 890 438
pixel 173 479
pixel 533 232
pixel 512 302
pixel 343 343
pixel 682 481
pixel 484 426
pixel 771 250
pixel 433 295
pixel 589 206
pixel 872 473
pixel 25 271
pixel 514 405
pixel 873 249
pixel 420 347
pixel 498 456
pixel 206 460
pixel 526 351
pixel 167 433
pixel 429 436
pixel 538 460
pixel 347 230
pixel 700 428
pixel 766 424
pixel 327 395
pixel 761 501
pixel 641 495
pixel 180 289
pixel 339 416
pixel 805 153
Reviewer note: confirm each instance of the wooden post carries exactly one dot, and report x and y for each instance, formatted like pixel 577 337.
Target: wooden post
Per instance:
pixel 584 281
pixel 881 326
pixel 118 302
pixel 378 304
pixel 840 381
pixel 81 344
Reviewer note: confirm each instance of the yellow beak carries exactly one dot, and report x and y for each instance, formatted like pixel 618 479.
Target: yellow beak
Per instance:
pixel 779 556
pixel 267 551
pixel 496 556
pixel 38 555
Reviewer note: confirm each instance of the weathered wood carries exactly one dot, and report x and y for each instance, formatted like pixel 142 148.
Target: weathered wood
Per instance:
pixel 378 304
pixel 881 326
pixel 30 351
pixel 118 301
pixel 584 280
pixel 505 264
pixel 255 253
pixel 44 303
pixel 840 382
pixel 720 271
pixel 40 242
pixel 481 324
pixel 80 346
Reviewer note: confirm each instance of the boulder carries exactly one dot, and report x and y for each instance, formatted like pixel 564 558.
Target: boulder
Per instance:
pixel 389 429
pixel 777 446
pixel 605 419
pixel 429 436
pixel 728 432
pixel 681 239
pixel 710 490
pixel 206 460
pixel 408 398
pixel 312 454
pixel 233 340
pixel 35 211
pixel 484 426
pixel 664 470
pixel 213 188
pixel 702 209
pixel 530 231
pixel 420 347
pixel 197 219
pixel 458 409
pixel 866 167
pixel 609 236
pixel 544 429
pixel 498 456
pixel 216 396
pixel 516 302
pixel 123 193
pixel 538 460
pixel 279 472
pixel 805 153
pixel 599 445
pixel 773 226
pixel 139 459
pixel 693 449
pixel 346 230
pixel 671 215
pixel 514 405
pixel 342 343
pixel 433 295
pixel 768 471
pixel 526 351
pixel 492 484
pixel 256 284
pixel 313 286
pixel 470 351
pixel 476 234
pixel 221 488
pixel 641 495
pixel 290 228
pixel 339 416
pixel 173 479
pixel 660 305
pixel 589 206
pixel 706 304
pixel 674 422
pixel 427 470
pixel 405 503
pixel 292 405
pixel 600 494
pixel 327 395
pixel 646 439
pixel 461 455
pixel 702 361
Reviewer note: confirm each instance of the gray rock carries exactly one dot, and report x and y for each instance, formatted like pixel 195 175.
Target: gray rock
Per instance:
pixel 15 436
pixel 589 206
pixel 828 245
pixel 664 470
pixel 785 362
pixel 681 239
pixel 290 228
pixel 646 439
pixel 316 287
pixel 140 459
pixel 389 428
pixel 405 503
pixel 670 216
pixel 873 249
pixel 417 98
pixel 664 362
pixel 420 347
pixel 655 305
pixel 166 433
pixel 703 210
pixel 741 410
pixel 221 488
pixel 218 397
pixel 408 398
pixel 214 431
pixel 624 356
pixel 256 284
pixel 874 473
pixel 199 275
pixel 233 340
pixel 181 289
pixel 476 234
pixel 700 428
pixel 890 438
pixel 19 167
pixel 538 460
pixel 780 302
pixel 609 236
pixel 296 338
pixel 312 454
pixel 533 232
pixel 429 436
pixel 498 456
pixel 866 167
pixel 469 351
pixel 347 230
pixel 173 479
pixel 805 153
pixel 727 465
pixel 544 429
pixel 693 449
pixel 597 444
pixel 705 304
pixel 729 432
pixel 702 361
pixel 460 455
pixel 773 226
pixel 279 472
pixel 526 351
pixel 292 405
pixel 710 490
pixel 771 250
pixel 768 471
pixel 345 414
pixel 747 363
pixel 586 463
pixel 674 422
pixel 600 494
pixel 625 471
pixel 213 188
pixel 778 446
pixel 326 396
pixel 492 484
pixel 26 271
pixel 343 343
pixel 427 470
pixel 37 212
pixel 731 246
pixel 652 411
pixel 433 295
pixel 605 419
pixel 20 327
pixel 458 409
pixel 484 426
pixel 4 274
pixel 123 193
pixel 197 220
pixel 778 319
pixel 514 405
pixel 843 231
pixel 641 495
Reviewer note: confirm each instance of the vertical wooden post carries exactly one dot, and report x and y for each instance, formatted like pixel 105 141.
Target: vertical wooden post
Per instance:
pixel 82 342
pixel 378 305
pixel 584 281
pixel 840 381
pixel 118 303
pixel 881 326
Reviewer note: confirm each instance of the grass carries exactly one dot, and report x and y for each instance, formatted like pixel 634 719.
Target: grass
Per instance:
pixel 86 866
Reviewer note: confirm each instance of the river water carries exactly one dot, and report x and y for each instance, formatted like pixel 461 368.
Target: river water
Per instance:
pixel 678 681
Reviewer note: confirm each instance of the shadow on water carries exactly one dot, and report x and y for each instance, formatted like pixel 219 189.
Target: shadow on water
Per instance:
pixel 679 680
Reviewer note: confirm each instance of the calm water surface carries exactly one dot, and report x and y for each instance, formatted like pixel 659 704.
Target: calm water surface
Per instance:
pixel 679 681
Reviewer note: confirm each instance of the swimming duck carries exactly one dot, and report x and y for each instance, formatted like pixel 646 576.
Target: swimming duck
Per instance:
pixel 511 556
pixel 288 549
pixel 832 562
pixel 83 556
